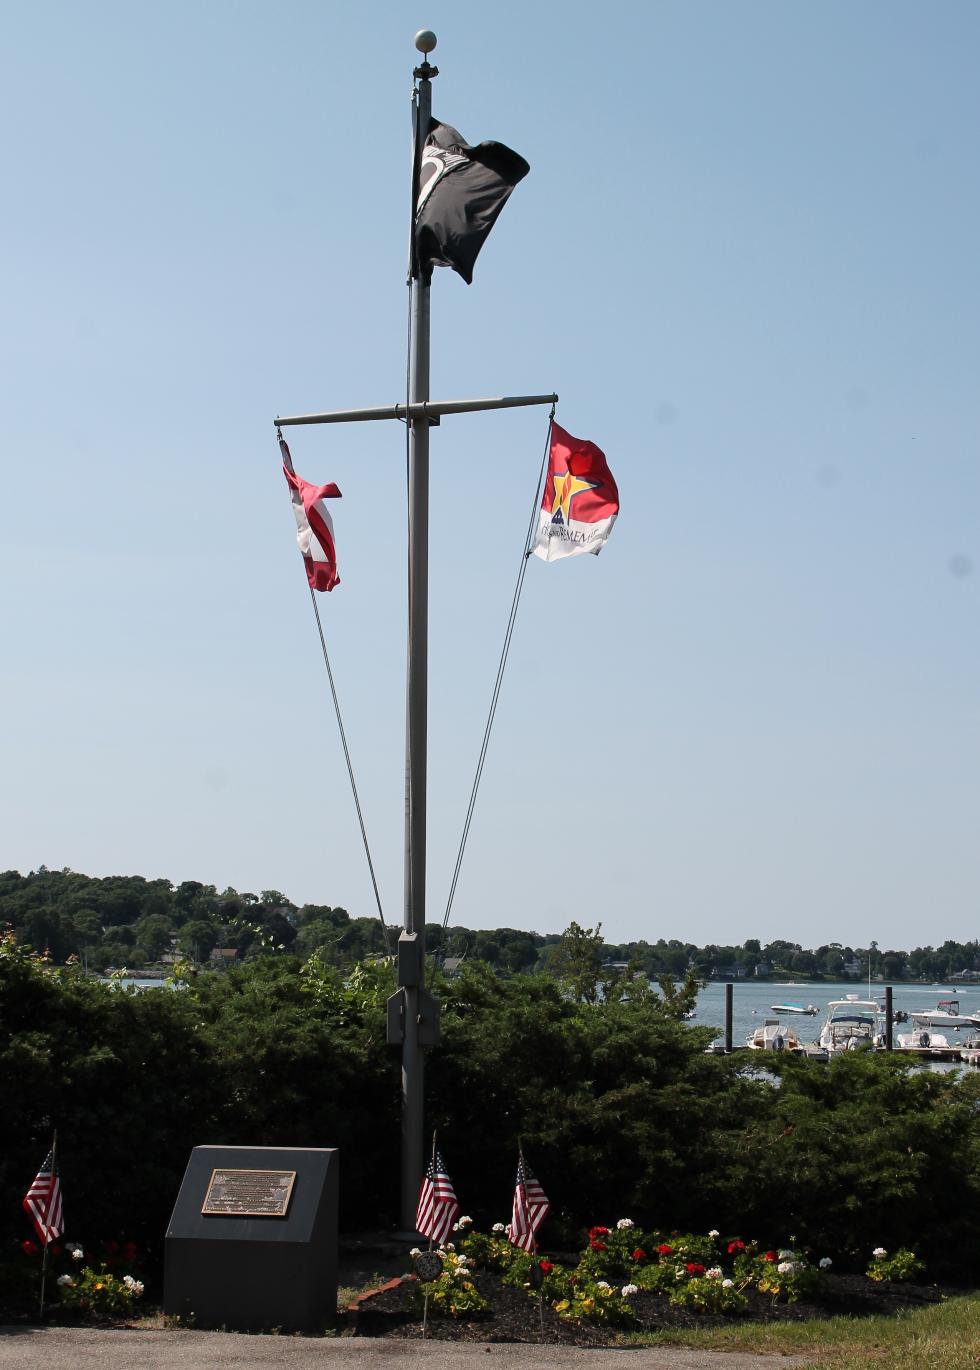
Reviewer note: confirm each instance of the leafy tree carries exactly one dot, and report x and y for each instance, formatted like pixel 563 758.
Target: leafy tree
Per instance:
pixel 197 938
pixel 153 933
pixel 577 962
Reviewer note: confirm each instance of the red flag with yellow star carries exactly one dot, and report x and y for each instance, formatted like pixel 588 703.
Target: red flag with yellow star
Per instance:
pixel 580 500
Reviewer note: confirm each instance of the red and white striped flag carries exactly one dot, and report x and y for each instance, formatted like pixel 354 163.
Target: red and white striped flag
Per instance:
pixel 42 1202
pixel 531 1207
pixel 314 526
pixel 438 1204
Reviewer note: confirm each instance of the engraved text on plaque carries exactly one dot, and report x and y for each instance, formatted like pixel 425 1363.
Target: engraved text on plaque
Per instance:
pixel 249 1193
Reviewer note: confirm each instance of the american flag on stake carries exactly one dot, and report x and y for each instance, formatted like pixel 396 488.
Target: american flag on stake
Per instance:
pixel 42 1202
pixel 438 1204
pixel 531 1207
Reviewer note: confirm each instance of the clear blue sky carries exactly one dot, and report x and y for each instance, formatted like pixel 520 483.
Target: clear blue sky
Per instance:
pixel 746 257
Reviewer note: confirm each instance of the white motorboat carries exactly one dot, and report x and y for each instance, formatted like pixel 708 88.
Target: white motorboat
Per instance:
pixel 772 1035
pixel 945 1014
pixel 970 1050
pixel 923 1043
pixel 852 1024
pixel 810 1010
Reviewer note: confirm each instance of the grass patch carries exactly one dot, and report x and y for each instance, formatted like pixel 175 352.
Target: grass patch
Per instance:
pixel 346 1293
pixel 946 1335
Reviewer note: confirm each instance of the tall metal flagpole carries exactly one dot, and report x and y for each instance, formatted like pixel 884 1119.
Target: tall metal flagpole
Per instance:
pixel 413 1013
pixel 411 944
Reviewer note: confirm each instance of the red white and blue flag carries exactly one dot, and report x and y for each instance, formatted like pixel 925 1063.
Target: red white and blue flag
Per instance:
pixel 438 1204
pixel 42 1202
pixel 530 1209
pixel 314 526
pixel 580 500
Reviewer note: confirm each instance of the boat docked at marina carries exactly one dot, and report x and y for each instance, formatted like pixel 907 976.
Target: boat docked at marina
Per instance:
pixel 946 1014
pixel 772 1035
pixel 852 1024
pixel 921 1043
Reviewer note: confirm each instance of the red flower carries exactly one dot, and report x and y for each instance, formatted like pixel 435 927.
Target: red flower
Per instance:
pixel 695 1269
pixel 735 1246
pixel 545 1267
pixel 598 1232
pixel 130 1251
pixel 597 1246
pixel 769 1256
pixel 55 1250
pixel 664 1250
pixel 639 1254
pixel 28 1247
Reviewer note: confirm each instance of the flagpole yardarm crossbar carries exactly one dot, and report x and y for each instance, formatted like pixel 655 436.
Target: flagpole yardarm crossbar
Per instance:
pixel 430 409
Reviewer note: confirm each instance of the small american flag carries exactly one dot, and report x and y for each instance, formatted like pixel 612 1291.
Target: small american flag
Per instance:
pixel 42 1202
pixel 531 1207
pixel 438 1204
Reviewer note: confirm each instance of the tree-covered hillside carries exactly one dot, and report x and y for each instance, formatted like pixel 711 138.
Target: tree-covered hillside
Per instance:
pixel 130 921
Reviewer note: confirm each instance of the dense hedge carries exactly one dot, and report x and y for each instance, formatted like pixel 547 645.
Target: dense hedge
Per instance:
pixel 620 1110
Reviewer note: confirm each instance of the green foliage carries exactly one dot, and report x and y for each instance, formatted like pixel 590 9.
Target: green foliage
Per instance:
pixel 577 963
pixel 617 1104
pixel 595 1301
pixel 708 1295
pixel 903 1265
pixel 863 1135
pixel 453 1294
pixel 98 1294
pixel 786 1275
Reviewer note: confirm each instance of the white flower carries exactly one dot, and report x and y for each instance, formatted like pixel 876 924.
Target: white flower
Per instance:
pixel 714 1232
pixel 728 1284
pixel 625 1222
pixel 135 1287
pixel 786 1268
pixel 715 1273
pixel 66 1280
pixel 785 1255
pixel 465 1222
pixel 450 1246
pixel 679 1273
pixel 878 1252
pixel 629 1289
pixel 603 1285
pixel 415 1251
pixel 499 1227
pixel 825 1262
pixel 76 1253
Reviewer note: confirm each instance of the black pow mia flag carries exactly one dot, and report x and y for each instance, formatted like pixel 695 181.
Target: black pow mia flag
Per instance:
pixel 461 191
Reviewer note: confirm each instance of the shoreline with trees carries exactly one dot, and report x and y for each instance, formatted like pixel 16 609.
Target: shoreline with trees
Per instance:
pixel 134 922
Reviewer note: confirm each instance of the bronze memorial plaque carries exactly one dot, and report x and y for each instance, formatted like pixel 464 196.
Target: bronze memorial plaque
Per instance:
pixel 249 1193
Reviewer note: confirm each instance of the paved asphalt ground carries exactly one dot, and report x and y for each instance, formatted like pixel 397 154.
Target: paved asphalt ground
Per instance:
pixel 62 1348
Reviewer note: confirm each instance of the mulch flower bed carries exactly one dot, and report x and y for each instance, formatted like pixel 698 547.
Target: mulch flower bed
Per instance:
pixel 515 1317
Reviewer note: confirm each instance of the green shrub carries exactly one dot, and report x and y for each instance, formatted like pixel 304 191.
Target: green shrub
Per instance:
pixel 98 1294
pixel 903 1265
pixel 453 1294
pixel 708 1293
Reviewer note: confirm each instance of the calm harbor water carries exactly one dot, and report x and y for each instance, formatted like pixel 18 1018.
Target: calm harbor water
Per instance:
pixel 753 1002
